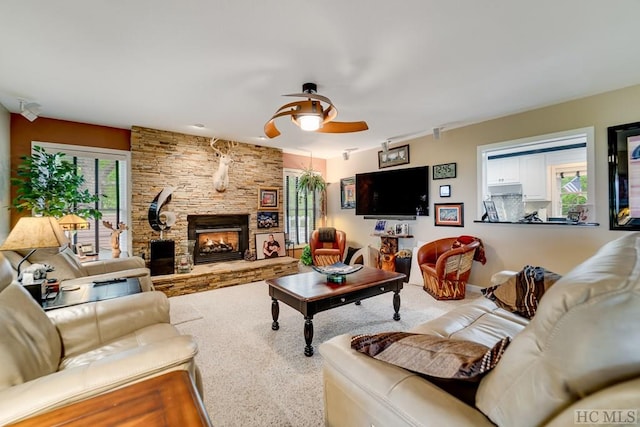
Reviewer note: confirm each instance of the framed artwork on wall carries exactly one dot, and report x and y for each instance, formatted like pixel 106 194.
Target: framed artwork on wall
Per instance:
pixel 445 191
pixel 268 220
pixel 624 176
pixel 443 171
pixel 348 193
pixel 270 245
pixel 268 198
pixel 393 157
pixel 449 214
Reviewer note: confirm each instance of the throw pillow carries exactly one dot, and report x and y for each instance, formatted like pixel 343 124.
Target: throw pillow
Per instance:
pixel 521 293
pixel 431 355
pixel 350 252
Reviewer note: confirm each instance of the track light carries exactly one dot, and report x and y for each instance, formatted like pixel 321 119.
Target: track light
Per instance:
pixel 29 111
pixel 385 146
pixel 436 132
pixel 345 155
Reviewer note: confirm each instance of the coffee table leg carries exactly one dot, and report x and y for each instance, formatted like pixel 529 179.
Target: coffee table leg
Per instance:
pixel 396 305
pixel 308 335
pixel 275 312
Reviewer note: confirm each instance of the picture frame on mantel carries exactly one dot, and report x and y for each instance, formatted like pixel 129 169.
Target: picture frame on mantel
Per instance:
pixel 393 157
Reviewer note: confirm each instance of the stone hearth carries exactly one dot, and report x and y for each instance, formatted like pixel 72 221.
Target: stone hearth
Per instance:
pixel 205 277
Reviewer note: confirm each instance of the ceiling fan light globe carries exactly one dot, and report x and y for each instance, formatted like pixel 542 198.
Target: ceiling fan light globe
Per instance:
pixel 310 123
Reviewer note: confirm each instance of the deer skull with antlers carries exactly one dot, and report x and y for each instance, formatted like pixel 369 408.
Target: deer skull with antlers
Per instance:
pixel 115 235
pixel 221 177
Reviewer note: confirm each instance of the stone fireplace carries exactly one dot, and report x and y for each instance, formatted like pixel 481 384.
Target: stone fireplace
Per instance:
pixel 218 237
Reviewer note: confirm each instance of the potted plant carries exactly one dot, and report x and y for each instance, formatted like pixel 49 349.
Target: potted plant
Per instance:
pixel 305 257
pixel 311 181
pixel 49 185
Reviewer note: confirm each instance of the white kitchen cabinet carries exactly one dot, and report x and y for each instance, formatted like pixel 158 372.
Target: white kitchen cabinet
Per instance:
pixel 505 170
pixel 533 176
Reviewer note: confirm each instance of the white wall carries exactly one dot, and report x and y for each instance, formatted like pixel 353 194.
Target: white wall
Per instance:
pixel 5 172
pixel 508 246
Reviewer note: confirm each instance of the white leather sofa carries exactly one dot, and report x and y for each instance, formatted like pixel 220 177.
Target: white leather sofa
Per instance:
pixel 580 352
pixel 69 270
pixel 52 359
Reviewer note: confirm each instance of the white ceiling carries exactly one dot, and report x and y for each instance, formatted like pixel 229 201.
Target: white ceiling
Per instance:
pixel 405 67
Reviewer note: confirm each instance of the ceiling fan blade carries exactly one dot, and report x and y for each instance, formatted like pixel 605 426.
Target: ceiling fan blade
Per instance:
pixel 343 127
pixel 330 113
pixel 311 96
pixel 270 129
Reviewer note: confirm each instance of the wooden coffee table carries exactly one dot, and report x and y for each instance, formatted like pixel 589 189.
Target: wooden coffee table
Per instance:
pixel 310 293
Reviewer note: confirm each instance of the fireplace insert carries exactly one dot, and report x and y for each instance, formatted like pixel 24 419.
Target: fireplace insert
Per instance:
pixel 218 237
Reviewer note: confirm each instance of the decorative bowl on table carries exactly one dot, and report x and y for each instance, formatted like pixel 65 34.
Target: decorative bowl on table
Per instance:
pixel 337 272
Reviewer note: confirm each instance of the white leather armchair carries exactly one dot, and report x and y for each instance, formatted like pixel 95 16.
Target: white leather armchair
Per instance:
pixel 69 270
pixel 52 359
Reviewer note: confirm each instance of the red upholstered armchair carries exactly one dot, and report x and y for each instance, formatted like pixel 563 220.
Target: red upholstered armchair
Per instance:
pixel 327 245
pixel 446 266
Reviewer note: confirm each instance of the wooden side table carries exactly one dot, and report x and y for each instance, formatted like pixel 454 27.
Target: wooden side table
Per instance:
pixel 168 400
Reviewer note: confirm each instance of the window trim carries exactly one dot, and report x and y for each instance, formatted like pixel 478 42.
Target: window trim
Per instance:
pixel 104 153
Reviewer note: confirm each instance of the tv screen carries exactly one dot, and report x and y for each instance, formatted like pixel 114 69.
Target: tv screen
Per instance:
pixel 397 192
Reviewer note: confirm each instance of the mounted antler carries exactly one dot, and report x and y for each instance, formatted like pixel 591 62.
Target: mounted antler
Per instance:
pixel 115 236
pixel 221 177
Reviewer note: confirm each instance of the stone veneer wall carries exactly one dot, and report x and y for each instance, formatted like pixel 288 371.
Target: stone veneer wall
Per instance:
pixel 187 163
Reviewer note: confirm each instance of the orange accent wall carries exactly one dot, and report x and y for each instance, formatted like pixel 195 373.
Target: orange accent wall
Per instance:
pixel 294 161
pixel 22 132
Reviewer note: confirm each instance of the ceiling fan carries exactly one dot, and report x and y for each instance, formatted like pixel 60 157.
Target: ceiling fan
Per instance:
pixel 310 115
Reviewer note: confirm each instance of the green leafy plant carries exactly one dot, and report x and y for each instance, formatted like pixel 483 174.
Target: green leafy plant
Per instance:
pixel 311 181
pixel 305 257
pixel 48 184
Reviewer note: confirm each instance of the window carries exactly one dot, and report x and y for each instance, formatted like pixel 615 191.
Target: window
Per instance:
pixel 106 172
pixel 300 209
pixel 548 173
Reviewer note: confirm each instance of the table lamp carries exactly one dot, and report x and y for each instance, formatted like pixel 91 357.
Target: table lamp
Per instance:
pixel 71 223
pixel 37 232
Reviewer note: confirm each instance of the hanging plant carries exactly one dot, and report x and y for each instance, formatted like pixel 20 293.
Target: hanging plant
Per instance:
pixel 311 181
pixel 49 185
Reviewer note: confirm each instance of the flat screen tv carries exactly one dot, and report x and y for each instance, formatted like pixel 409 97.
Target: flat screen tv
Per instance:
pixel 397 192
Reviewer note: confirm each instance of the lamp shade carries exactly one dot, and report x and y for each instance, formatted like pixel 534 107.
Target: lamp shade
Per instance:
pixel 72 222
pixel 34 233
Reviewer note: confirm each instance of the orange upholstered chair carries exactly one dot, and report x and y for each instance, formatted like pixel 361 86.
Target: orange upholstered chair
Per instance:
pixel 327 245
pixel 446 266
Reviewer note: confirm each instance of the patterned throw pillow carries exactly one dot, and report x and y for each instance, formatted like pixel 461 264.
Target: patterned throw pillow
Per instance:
pixel 521 294
pixel 431 355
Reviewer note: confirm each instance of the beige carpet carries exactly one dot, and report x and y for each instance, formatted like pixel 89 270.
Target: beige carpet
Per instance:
pixel 254 376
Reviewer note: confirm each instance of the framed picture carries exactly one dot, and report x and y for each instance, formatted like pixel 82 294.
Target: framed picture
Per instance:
pixel 449 214
pixel 268 219
pixel 270 245
pixel 445 191
pixel 348 193
pixel 393 157
pixel 268 198
pixel 445 170
pixel 381 226
pixel 624 176
pixel 492 212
